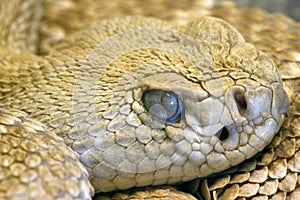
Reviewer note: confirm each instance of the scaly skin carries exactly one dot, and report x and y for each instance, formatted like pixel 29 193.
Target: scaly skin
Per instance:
pixel 99 113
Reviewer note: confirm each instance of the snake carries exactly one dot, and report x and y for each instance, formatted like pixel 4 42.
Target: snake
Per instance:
pixel 130 106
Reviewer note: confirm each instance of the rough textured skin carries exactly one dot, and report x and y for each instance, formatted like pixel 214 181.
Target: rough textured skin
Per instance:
pixel 100 105
pixel 34 162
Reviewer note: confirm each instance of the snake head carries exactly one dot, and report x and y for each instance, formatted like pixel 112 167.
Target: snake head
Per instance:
pixel 231 110
pixel 246 102
pixel 176 103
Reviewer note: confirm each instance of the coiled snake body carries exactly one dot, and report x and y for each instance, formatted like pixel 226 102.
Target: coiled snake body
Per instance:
pixel 146 102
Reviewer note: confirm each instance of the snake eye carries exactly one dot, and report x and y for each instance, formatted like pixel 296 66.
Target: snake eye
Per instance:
pixel 163 105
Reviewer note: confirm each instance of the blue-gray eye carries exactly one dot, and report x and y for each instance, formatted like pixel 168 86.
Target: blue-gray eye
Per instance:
pixel 163 105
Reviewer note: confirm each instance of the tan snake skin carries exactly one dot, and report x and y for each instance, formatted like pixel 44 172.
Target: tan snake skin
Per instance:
pixel 34 84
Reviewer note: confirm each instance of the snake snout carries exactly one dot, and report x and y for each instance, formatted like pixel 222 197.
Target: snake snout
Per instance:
pixel 241 102
pixel 237 103
pixel 248 104
pixel 280 104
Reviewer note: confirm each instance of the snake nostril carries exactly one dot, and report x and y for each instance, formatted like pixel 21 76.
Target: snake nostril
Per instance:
pixel 241 102
pixel 223 134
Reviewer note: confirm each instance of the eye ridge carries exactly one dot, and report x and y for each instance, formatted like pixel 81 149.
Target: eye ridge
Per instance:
pixel 161 104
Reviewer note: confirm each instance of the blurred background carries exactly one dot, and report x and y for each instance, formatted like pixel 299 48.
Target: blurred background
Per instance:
pixel 288 7
pixel 64 17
